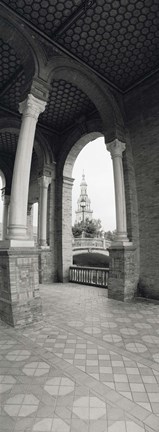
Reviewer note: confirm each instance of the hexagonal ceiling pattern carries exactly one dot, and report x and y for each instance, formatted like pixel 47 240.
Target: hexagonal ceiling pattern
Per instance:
pixel 9 63
pixel 11 98
pixel 66 104
pixel 117 38
pixel 119 41
pixel 8 142
pixel 8 146
pixel 49 14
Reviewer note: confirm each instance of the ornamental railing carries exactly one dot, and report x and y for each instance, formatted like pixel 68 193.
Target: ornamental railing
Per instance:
pixel 89 275
pixel 90 243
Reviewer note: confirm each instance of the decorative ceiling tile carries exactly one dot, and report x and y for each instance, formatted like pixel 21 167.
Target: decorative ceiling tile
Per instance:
pixel 66 104
pixel 118 39
pixel 9 63
pixel 8 142
pixel 11 98
pixel 47 14
pixel 120 42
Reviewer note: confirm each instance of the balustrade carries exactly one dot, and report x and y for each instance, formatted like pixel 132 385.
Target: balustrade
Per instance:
pixel 89 275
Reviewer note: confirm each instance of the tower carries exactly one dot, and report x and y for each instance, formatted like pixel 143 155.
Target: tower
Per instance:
pixel 83 211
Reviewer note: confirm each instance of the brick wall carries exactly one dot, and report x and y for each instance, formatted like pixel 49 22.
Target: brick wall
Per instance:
pixel 20 302
pixel 122 280
pixel 142 120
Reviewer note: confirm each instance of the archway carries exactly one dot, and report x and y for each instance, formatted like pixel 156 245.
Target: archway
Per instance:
pixel 93 205
pixel 65 213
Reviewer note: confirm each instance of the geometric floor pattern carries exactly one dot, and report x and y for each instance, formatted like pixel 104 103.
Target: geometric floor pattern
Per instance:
pixel 91 365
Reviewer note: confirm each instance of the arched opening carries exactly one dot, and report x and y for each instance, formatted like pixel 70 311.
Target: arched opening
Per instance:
pixel 93 205
pixel 65 253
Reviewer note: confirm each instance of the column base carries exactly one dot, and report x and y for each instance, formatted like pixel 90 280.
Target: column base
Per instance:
pixel 122 283
pixel 17 232
pixel 20 302
pixel 15 243
pixel 121 239
pixel 42 243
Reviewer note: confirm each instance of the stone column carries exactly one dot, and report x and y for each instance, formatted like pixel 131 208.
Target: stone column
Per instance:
pixel 6 201
pixel 116 149
pixel 48 255
pixel 30 221
pixel 44 182
pixel 30 108
pixel 122 277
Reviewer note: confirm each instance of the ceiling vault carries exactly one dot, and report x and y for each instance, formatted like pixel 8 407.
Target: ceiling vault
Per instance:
pixel 116 41
pixel 58 46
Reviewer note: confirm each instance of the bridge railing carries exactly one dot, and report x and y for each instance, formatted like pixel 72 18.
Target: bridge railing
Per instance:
pixel 90 243
pixel 89 275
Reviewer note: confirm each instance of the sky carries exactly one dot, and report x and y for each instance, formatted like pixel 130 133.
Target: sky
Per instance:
pixel 96 162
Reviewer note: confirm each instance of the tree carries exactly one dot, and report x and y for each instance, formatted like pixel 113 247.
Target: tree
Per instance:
pixel 110 235
pixel 77 230
pixel 91 228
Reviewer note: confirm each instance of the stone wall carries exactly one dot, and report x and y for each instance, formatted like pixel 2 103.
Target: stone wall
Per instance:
pixel 142 120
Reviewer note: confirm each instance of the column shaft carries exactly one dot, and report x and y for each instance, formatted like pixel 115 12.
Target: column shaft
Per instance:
pixel 44 183
pixel 116 149
pixel 31 109
pixel 119 197
pixel 30 222
pixel 6 200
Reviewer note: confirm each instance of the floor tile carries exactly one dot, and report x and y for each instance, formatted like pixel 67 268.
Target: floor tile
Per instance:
pixel 90 364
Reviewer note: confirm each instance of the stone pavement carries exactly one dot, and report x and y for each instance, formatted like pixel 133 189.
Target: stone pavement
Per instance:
pixel 91 365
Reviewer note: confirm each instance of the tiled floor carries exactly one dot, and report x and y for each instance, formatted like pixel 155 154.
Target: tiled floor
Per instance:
pixel 91 365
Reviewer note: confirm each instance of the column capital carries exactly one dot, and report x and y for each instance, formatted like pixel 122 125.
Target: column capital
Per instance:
pixel 116 148
pixel 44 181
pixel 32 107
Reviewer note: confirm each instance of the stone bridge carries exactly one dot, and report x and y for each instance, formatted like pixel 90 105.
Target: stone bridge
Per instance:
pixel 85 245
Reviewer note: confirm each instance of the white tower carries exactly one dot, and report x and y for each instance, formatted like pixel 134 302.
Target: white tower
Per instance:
pixel 83 211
